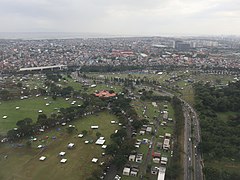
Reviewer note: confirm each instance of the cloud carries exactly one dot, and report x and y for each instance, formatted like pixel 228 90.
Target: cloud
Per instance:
pixel 134 17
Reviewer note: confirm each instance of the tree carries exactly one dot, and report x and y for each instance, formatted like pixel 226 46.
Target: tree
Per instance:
pixel 19 84
pixel 173 171
pixel 84 132
pixel 42 119
pixel 70 129
pixel 97 173
pixel 4 94
pixel 111 91
pixel 24 122
pixel 98 134
pixel 112 149
pixel 12 134
pixel 28 143
pixel 119 160
pixel 54 97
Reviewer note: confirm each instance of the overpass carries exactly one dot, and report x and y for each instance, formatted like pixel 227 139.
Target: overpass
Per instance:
pixel 60 67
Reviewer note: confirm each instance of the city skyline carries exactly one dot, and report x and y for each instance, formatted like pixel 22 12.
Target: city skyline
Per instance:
pixel 122 17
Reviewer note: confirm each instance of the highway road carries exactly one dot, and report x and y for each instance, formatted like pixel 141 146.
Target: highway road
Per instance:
pixel 188 173
pixel 197 166
pixel 192 158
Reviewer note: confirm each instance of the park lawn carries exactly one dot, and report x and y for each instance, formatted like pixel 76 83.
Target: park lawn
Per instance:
pixel 28 109
pixel 213 77
pixel 166 129
pixel 170 110
pixel 224 165
pixel 70 82
pixel 188 95
pixel 139 107
pixel 34 82
pixel 151 110
pixel 224 116
pixel 159 78
pixel 23 163
pixel 162 78
pixel 144 148
pixel 129 178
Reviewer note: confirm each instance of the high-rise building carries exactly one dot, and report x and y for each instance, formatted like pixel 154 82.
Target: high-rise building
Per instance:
pixel 181 46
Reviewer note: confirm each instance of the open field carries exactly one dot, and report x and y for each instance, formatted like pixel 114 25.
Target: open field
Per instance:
pixel 23 163
pixel 226 165
pixel 77 86
pixel 224 116
pixel 28 108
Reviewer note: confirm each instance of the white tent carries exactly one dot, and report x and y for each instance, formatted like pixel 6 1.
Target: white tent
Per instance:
pixel 42 158
pixel 80 135
pixel 94 160
pixel 94 127
pixel 126 171
pixel 40 146
pixel 70 145
pixel 100 142
pixel 62 153
pixel 63 161
pixel 104 146
pixel 93 85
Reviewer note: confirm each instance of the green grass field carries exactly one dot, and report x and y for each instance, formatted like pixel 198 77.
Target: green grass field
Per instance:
pixel 224 116
pixel 28 108
pixel 226 165
pixel 151 111
pixel 78 86
pixel 23 163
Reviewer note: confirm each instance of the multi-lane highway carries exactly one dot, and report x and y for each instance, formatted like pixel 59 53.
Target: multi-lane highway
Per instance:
pixel 192 156
pixel 188 173
pixel 197 160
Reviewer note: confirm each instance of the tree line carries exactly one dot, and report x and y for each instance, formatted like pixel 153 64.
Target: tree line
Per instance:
pixel 220 138
pixel 174 168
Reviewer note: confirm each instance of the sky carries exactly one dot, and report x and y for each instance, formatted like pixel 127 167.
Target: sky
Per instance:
pixel 122 17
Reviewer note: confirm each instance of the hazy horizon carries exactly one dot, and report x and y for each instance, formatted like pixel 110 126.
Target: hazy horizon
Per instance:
pixel 75 35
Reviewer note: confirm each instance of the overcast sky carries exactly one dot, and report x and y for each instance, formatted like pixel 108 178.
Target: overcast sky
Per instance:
pixel 122 17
